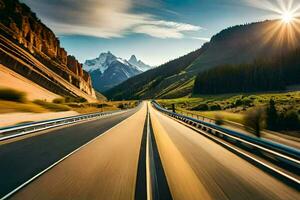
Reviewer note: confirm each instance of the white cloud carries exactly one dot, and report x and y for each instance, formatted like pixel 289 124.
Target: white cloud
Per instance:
pixel 176 25
pixel 201 38
pixel 159 32
pixel 103 18
pixel 164 29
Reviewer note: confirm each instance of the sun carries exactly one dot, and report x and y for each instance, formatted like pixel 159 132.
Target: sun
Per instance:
pixel 287 17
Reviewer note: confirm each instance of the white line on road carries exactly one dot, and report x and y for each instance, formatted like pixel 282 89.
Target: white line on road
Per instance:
pixel 148 173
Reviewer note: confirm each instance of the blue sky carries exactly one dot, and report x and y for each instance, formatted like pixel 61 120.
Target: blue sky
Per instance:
pixel 154 30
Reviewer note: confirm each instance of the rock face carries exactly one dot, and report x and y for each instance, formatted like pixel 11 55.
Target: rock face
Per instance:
pixel 22 27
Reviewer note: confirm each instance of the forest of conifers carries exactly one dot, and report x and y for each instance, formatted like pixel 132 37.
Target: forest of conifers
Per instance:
pixel 261 75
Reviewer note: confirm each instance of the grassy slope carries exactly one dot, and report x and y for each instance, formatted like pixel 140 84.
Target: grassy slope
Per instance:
pixel 156 82
pixel 283 101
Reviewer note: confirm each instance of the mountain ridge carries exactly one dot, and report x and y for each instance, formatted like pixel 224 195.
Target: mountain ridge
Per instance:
pixel 108 70
pixel 239 44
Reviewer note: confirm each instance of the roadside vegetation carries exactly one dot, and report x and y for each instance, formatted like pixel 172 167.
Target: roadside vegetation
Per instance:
pixel 11 106
pixel 101 106
pixel 52 106
pixel 273 111
pixel 16 101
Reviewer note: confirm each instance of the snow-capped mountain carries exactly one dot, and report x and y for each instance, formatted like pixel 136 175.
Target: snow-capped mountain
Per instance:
pixel 142 66
pixel 108 70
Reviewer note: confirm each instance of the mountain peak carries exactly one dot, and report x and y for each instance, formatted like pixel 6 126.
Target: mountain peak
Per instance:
pixel 109 70
pixel 106 54
pixel 133 59
pixel 138 63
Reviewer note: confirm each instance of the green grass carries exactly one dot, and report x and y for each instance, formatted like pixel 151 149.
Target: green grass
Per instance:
pixel 181 90
pixel 234 117
pixel 234 106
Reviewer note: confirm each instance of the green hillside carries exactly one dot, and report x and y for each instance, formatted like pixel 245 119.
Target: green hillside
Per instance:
pixel 235 45
pixel 261 75
pixel 157 82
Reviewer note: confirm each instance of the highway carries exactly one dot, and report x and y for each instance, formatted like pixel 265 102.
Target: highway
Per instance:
pixel 141 154
pixel 23 158
pixel 205 170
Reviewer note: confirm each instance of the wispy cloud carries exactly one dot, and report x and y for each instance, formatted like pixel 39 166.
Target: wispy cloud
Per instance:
pixel 202 38
pixel 158 31
pixel 106 19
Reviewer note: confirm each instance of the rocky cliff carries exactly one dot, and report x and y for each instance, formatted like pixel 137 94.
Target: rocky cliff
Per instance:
pixel 22 27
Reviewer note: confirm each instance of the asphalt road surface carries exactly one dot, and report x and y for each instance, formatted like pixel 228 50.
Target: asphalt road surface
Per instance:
pixel 108 167
pixel 22 159
pixel 201 169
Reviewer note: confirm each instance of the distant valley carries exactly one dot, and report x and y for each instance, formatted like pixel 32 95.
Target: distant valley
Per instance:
pixel 108 70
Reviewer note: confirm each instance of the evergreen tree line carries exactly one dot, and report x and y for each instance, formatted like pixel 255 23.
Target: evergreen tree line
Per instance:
pixel 261 75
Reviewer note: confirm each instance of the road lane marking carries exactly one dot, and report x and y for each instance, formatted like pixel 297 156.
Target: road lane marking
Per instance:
pixel 141 191
pixel 158 183
pixel 149 188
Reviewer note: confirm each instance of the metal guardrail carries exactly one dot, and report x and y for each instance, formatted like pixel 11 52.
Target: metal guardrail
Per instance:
pixel 278 152
pixel 23 129
pixel 207 119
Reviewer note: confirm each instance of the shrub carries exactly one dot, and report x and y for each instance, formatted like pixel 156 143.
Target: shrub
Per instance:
pixel 121 106
pixel 69 99
pixel 289 121
pixel 59 100
pixel 238 102
pixel 246 101
pixel 52 106
pixel 214 107
pixel 254 120
pixel 219 119
pixel 12 95
pixel 201 107
pixel 243 102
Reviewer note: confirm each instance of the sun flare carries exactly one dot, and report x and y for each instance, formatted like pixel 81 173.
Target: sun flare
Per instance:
pixel 285 31
pixel 287 17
